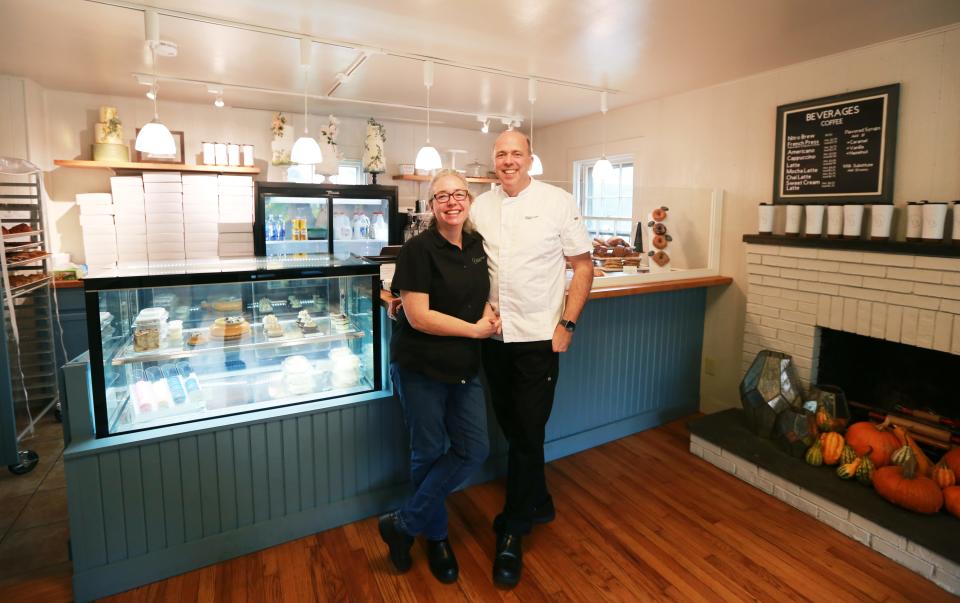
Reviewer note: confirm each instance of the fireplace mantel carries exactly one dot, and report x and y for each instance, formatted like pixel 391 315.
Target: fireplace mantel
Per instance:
pixel 938 249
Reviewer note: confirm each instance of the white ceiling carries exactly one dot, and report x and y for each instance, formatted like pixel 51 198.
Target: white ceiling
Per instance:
pixel 641 48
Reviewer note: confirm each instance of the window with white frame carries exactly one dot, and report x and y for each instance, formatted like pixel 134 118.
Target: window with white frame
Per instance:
pixel 351 172
pixel 606 206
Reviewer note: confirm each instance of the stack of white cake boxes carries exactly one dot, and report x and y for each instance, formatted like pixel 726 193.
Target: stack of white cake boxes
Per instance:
pixel 99 231
pixel 236 216
pixel 131 220
pixel 163 199
pixel 201 214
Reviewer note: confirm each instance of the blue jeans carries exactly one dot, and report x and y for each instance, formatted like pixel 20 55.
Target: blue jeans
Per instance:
pixel 438 413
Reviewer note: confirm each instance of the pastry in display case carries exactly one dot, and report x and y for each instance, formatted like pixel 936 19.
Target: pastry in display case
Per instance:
pixel 185 347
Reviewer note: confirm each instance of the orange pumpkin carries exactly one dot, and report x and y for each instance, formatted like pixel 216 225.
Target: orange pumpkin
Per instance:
pixel 952 459
pixel 866 435
pixel 943 475
pixel 832 444
pixel 905 487
pixel 951 500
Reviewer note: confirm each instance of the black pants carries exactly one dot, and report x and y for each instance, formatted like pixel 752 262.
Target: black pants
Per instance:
pixel 522 378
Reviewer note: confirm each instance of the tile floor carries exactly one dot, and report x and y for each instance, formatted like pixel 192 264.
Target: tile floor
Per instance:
pixel 34 554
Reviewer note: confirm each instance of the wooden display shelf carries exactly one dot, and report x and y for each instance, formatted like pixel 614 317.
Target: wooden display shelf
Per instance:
pixel 151 167
pixel 419 178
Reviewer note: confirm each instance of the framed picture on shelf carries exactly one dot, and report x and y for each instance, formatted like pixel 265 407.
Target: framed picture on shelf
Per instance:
pixel 177 157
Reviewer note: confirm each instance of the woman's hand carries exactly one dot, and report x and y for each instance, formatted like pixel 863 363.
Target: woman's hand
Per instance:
pixel 486 327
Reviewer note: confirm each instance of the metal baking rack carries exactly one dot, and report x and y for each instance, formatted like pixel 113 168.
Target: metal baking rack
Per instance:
pixel 30 368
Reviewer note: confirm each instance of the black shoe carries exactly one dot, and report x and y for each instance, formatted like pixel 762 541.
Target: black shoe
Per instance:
pixel 443 563
pixel 508 563
pixel 545 513
pixel 398 541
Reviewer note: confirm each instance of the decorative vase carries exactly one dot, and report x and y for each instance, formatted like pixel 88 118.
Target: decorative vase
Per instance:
pixel 813 227
pixel 834 221
pixel 852 221
pixel 765 214
pixel 794 212
pixel 881 220
pixel 934 219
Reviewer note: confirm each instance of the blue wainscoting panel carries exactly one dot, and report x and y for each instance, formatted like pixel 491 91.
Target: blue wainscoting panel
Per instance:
pixel 148 507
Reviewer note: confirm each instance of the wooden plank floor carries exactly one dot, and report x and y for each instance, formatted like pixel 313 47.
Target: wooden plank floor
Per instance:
pixel 640 519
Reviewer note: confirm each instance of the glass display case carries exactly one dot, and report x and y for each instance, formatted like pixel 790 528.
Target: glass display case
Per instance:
pixel 295 219
pixel 177 345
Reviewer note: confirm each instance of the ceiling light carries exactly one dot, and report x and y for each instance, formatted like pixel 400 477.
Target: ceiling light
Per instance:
pixel 152 92
pixel 218 103
pixel 154 138
pixel 602 168
pixel 536 168
pixel 427 157
pixel 484 123
pixel 305 149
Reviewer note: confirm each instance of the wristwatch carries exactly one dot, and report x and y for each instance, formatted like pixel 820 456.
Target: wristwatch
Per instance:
pixel 569 325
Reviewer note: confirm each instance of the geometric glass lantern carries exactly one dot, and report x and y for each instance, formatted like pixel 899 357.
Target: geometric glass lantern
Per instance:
pixel 769 387
pixel 833 400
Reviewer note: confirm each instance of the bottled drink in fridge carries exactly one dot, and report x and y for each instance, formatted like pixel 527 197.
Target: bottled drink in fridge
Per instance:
pixel 361 225
pixel 379 227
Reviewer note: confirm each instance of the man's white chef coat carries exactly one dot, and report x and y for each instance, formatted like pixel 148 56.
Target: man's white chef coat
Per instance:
pixel 526 238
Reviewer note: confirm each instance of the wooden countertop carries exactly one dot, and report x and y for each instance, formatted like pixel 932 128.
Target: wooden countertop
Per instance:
pixel 77 284
pixel 623 290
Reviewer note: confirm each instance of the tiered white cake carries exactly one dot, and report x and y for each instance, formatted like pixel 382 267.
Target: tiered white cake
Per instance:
pixel 108 137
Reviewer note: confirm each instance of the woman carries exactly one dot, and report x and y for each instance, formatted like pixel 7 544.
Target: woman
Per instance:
pixel 435 361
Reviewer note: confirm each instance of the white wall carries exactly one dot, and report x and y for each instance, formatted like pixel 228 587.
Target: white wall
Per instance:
pixel 44 125
pixel 723 136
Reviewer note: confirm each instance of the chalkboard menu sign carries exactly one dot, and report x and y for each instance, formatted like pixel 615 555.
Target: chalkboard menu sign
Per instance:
pixel 837 149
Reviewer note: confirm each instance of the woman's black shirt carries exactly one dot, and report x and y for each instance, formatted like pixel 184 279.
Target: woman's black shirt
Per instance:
pixel 458 284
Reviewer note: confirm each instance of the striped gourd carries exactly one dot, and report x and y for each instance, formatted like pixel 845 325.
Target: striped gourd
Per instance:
pixel 848 470
pixel 832 443
pixel 814 455
pixel 865 470
pixel 847 455
pixel 901 455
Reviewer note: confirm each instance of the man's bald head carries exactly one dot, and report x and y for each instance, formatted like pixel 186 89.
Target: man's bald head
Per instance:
pixel 512 135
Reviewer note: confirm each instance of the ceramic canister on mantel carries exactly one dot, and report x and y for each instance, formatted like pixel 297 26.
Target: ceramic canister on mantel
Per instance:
pixel 834 221
pixel 934 220
pixel 794 213
pixel 956 222
pixel 813 228
pixel 881 221
pixel 765 214
pixel 852 221
pixel 914 220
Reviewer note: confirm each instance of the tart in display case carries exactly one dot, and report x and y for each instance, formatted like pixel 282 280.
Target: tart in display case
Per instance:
pixel 186 346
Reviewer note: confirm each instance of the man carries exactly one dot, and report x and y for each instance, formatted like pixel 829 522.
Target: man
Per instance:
pixel 530 230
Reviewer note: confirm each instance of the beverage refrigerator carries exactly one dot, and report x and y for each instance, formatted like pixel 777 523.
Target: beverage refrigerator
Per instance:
pixel 341 219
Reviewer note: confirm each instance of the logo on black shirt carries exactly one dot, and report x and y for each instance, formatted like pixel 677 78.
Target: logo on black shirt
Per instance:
pixel 479 259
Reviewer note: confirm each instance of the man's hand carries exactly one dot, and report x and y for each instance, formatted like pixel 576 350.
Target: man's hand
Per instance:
pixel 392 307
pixel 561 339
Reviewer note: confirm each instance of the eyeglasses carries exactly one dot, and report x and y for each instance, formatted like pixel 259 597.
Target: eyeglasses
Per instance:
pixel 457 195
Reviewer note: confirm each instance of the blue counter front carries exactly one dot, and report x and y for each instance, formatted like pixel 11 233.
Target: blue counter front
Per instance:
pixel 149 505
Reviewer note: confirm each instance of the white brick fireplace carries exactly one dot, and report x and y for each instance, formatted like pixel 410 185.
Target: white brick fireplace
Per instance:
pixel 791 291
pixel 910 299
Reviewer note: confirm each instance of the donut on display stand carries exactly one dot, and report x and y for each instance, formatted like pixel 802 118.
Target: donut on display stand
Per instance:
pixel 660 238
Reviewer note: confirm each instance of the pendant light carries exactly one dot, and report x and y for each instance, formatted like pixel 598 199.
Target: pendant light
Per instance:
pixel 154 138
pixel 305 150
pixel 536 168
pixel 427 157
pixel 602 168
